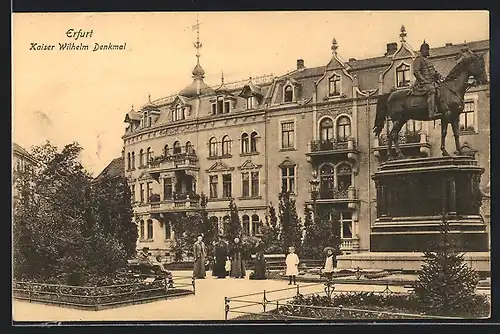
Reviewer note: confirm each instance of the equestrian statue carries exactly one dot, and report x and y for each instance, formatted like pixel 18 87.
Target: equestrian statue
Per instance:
pixel 430 98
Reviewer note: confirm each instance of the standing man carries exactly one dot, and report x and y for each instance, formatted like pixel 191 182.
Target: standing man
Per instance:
pixel 427 79
pixel 200 253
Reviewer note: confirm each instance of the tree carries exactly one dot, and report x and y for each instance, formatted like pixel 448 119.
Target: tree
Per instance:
pixel 291 227
pixel 183 233
pixel 271 233
pixel 209 229
pixel 445 283
pixel 323 232
pixel 232 228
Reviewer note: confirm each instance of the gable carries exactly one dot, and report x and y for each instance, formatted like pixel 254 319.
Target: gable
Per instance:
pixel 219 166
pixel 287 163
pixel 249 165
pixel 144 176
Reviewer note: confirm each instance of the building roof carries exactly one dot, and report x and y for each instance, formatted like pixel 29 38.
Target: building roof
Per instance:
pixel 115 168
pixel 18 149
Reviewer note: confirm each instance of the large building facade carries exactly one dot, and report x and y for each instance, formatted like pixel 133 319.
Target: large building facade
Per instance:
pixel 252 139
pixel 22 161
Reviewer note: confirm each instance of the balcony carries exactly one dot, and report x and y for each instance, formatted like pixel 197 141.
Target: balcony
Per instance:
pixel 322 148
pixel 329 196
pixel 179 202
pixel 411 143
pixel 349 244
pixel 173 162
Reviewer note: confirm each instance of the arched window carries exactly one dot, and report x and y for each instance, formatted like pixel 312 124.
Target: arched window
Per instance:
pixel 288 95
pixel 343 128
pixel 166 150
pixel 246 225
pixel 149 155
pixel 128 161
pixel 253 141
pixel 403 75
pixel 150 229
pixel 141 229
pixel 214 222
pixel 179 113
pixel 212 147
pixel 226 145
pixel 133 160
pixel 177 147
pixel 326 129
pixel 344 176
pixel 327 183
pixel 244 143
pixel 255 225
pixel 141 157
pixel 189 148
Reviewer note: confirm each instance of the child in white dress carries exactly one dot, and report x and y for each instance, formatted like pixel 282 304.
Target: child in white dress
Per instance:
pixel 328 270
pixel 292 263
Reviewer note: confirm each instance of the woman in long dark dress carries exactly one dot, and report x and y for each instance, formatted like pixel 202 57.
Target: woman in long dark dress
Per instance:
pixel 260 263
pixel 221 252
pixel 236 254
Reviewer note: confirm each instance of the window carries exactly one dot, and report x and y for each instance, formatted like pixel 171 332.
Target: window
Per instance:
pixel 250 102
pixel 346 225
pixel 212 147
pixel 288 179
pixel 150 229
pixel 149 155
pixel 214 109
pixel 168 230
pixel 220 105
pixel 141 192
pixel 189 148
pixel 255 184
pixel 255 225
pixel 287 135
pixel 227 107
pixel 167 188
pixel 177 147
pixel 141 158
pixel 327 183
pixel 149 191
pixel 214 184
pixel 253 142
pixel 132 193
pixel 133 160
pixel 403 75
pixel 166 150
pixel 288 94
pixel 343 128
pixel 150 121
pixel 226 146
pixel 128 161
pixel 226 185
pixel 214 221
pixel 141 229
pixel 334 85
pixel 245 184
pixel 467 122
pixel 344 176
pixel 244 143
pixel 326 129
pixel 246 225
pixel 179 113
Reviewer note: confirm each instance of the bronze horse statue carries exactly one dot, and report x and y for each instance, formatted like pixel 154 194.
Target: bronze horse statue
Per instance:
pixel 402 105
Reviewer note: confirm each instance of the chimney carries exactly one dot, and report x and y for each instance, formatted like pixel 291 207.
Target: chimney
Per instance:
pixel 391 48
pixel 448 44
pixel 300 64
pixel 352 59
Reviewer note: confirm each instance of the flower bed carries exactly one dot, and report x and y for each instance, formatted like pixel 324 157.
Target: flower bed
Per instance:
pixel 364 305
pixel 94 297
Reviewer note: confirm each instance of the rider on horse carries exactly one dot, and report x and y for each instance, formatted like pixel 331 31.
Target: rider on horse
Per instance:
pixel 427 79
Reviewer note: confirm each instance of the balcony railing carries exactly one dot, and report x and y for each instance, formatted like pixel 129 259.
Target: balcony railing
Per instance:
pixel 334 194
pixel 328 145
pixel 349 244
pixel 173 161
pixel 403 138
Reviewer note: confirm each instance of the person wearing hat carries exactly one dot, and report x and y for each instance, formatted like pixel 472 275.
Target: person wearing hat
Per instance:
pixel 144 261
pixel 200 253
pixel 329 263
pixel 426 79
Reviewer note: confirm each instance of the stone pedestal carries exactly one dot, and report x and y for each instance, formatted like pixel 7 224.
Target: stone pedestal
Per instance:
pixel 412 194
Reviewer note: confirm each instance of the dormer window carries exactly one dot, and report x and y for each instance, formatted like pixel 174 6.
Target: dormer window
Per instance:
pixel 227 107
pixel 178 113
pixel 288 94
pixel 334 85
pixel 221 106
pixel 403 75
pixel 250 102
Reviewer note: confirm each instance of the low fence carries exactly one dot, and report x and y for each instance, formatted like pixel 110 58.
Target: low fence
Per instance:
pixel 100 297
pixel 257 304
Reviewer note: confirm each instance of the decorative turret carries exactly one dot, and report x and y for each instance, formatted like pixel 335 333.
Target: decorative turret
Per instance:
pixel 197 87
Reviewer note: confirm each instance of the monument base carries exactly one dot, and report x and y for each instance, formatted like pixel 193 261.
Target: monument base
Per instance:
pixel 406 261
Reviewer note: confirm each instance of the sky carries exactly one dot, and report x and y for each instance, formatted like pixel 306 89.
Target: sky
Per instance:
pixel 83 96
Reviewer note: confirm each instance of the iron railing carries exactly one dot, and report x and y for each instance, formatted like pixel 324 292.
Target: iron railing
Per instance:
pixel 328 145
